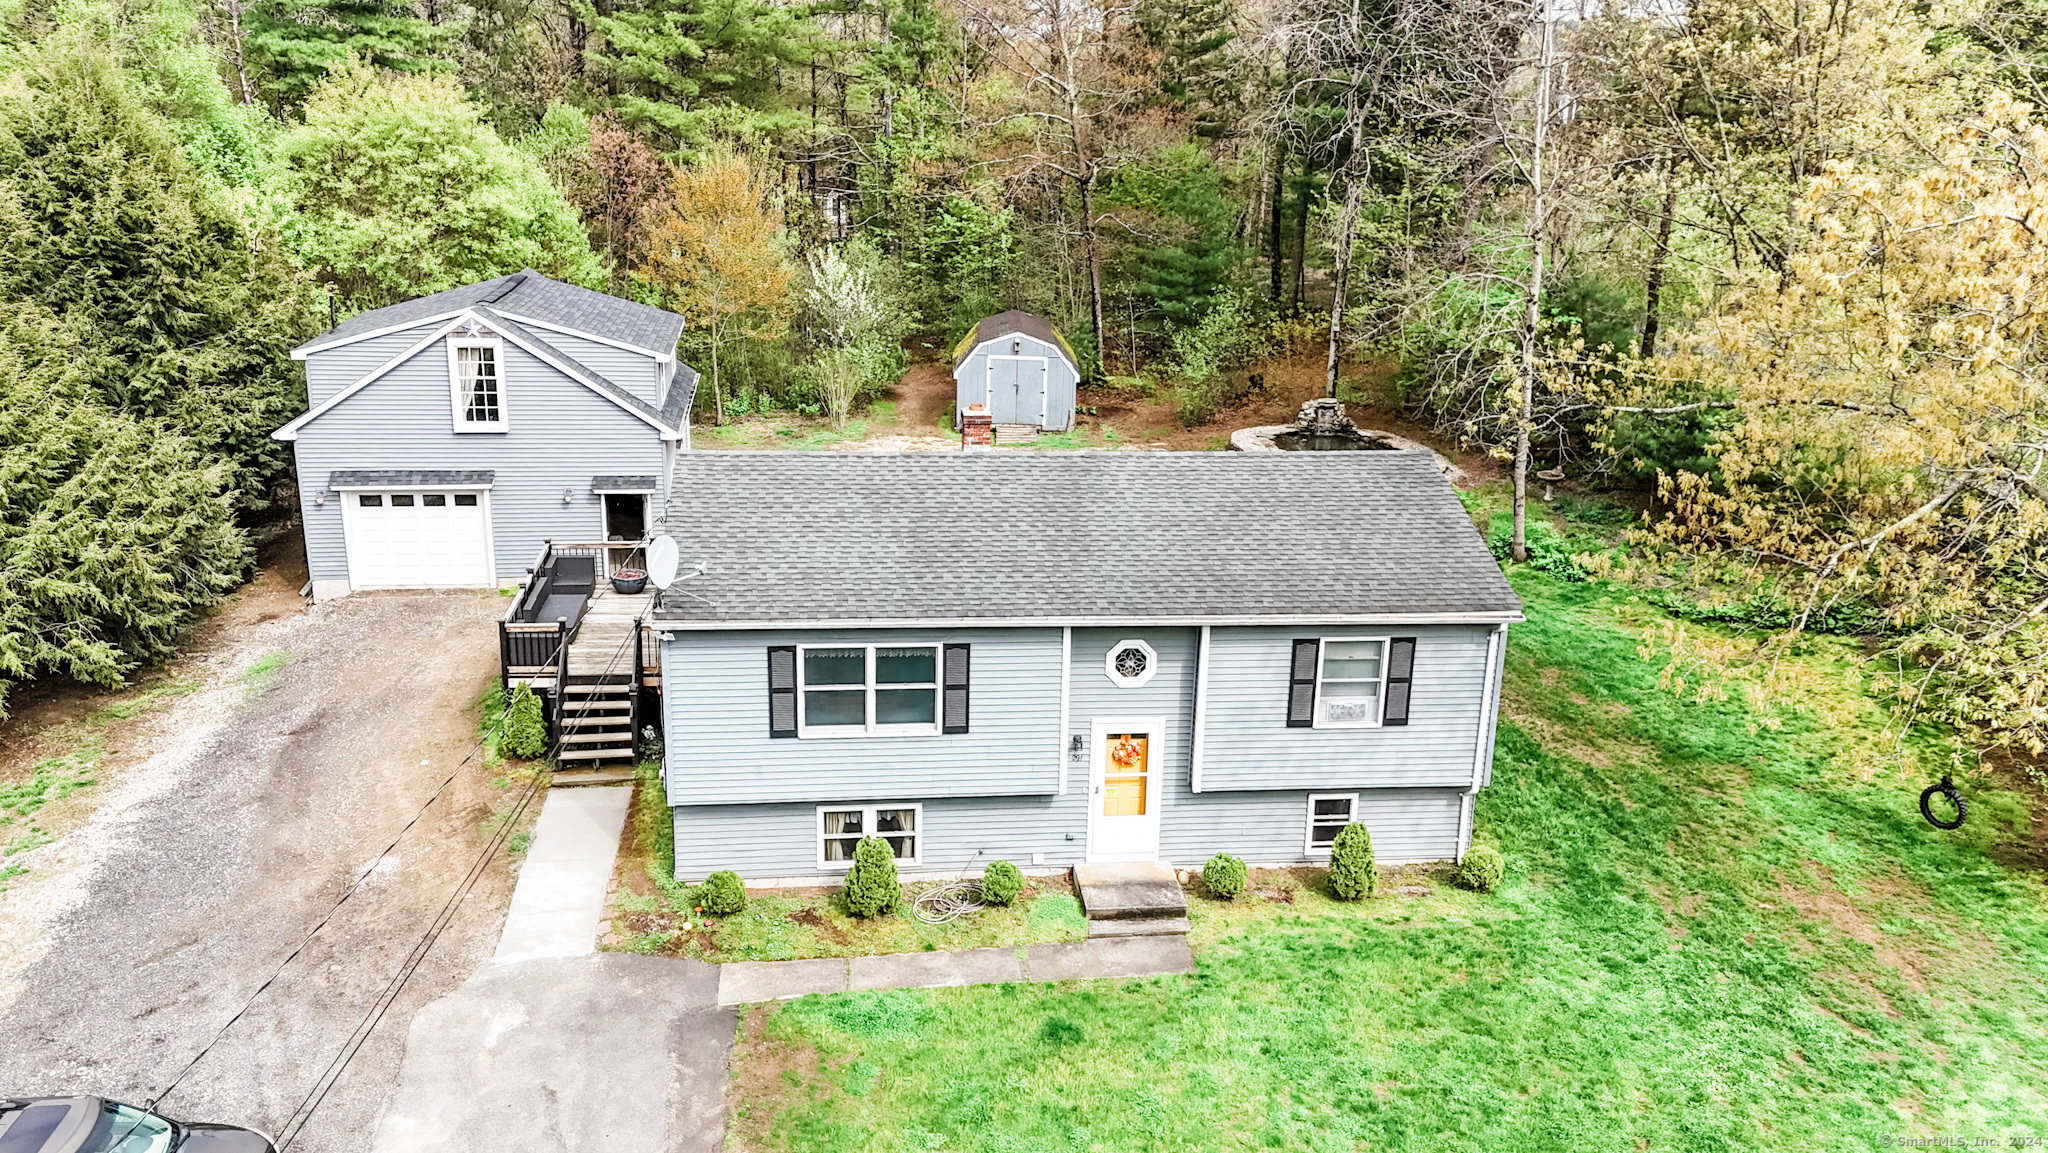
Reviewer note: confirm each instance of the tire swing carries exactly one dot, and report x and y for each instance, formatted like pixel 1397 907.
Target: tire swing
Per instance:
pixel 1946 788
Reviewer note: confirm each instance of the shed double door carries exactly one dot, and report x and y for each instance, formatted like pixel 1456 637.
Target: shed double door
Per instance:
pixel 1016 389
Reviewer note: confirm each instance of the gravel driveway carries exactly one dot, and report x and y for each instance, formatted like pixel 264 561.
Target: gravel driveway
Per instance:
pixel 215 858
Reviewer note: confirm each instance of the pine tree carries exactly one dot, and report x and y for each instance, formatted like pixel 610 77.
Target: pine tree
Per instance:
pixel 190 312
pixel 295 44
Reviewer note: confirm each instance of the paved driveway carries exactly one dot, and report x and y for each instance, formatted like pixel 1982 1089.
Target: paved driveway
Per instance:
pixel 240 842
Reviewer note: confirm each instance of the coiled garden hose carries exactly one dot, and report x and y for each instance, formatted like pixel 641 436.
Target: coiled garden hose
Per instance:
pixel 1948 789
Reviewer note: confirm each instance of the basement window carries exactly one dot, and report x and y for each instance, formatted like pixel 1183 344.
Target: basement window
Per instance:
pixel 842 828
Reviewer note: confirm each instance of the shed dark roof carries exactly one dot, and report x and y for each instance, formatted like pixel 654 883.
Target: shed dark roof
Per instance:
pixel 531 295
pixel 879 537
pixel 398 477
pixel 1005 323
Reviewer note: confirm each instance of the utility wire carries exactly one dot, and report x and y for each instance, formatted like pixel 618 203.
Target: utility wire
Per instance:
pixel 295 1125
pixel 353 888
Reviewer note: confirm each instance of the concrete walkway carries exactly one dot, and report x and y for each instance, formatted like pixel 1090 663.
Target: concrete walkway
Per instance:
pixel 743 982
pixel 560 896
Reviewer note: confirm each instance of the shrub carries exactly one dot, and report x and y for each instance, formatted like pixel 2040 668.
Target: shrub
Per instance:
pixel 1224 875
pixel 871 885
pixel 1353 876
pixel 722 893
pixel 525 735
pixel 1001 883
pixel 1482 869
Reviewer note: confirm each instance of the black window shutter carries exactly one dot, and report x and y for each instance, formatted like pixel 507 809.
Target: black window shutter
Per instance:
pixel 956 689
pixel 1301 685
pixel 782 691
pixel 1400 672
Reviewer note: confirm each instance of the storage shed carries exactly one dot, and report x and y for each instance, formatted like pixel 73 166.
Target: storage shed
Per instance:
pixel 1021 368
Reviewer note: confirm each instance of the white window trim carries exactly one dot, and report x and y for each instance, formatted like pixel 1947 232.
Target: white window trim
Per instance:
pixel 868 823
pixel 1151 664
pixel 805 730
pixel 455 399
pixel 1323 654
pixel 1309 848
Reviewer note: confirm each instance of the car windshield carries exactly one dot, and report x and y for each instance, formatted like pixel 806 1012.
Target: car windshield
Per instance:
pixel 126 1129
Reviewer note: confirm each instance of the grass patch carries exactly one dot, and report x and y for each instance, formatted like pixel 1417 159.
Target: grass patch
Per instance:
pixel 257 676
pixel 1723 926
pixel 128 709
pixel 50 780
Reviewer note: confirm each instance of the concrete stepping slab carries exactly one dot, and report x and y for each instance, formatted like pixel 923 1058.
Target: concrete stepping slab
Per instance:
pixel 745 982
pixel 1150 927
pixel 937 969
pixel 1146 956
pixel 1136 891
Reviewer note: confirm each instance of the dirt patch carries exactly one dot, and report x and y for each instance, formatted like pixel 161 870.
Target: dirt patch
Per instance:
pixel 761 1070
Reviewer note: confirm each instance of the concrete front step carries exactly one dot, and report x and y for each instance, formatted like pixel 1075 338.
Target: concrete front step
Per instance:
pixel 1151 927
pixel 1133 891
pixel 572 778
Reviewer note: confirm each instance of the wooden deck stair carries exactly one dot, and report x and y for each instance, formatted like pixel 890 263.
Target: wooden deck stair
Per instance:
pixel 595 719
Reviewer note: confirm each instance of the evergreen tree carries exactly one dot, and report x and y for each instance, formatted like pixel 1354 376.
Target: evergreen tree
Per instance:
pixel 189 312
pixel 115 531
pixel 689 66
pixel 1183 250
pixel 400 190
pixel 295 44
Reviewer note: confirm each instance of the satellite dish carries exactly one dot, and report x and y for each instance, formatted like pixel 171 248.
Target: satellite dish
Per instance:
pixel 662 558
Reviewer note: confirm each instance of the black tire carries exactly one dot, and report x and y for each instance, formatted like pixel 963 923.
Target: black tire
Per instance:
pixel 1955 797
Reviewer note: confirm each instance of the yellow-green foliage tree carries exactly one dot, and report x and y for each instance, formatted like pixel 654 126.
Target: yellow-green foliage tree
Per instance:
pixel 1888 424
pixel 715 253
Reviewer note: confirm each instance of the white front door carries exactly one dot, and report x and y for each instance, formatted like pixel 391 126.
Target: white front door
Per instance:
pixel 399 539
pixel 1126 788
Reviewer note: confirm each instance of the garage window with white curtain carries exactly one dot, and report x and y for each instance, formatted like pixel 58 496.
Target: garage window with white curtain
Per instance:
pixel 478 387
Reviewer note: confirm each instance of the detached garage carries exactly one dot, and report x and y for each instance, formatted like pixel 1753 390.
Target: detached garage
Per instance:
pixel 417 529
pixel 1022 369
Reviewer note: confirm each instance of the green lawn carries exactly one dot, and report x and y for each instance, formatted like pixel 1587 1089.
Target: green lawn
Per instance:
pixel 1721 929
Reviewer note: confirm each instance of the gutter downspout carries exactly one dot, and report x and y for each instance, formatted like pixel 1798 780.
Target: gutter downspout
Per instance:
pixel 1482 742
pixel 1201 712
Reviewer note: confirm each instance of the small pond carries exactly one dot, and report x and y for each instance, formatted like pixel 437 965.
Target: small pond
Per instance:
pixel 1299 441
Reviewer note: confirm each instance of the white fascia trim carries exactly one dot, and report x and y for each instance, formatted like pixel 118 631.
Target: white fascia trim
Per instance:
pixel 1089 622
pixel 548 357
pixel 1486 703
pixel 308 350
pixel 291 430
pixel 661 357
pixel 412 487
pixel 1201 713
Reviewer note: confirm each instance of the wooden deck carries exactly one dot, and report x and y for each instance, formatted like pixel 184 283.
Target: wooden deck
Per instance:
pixel 605 642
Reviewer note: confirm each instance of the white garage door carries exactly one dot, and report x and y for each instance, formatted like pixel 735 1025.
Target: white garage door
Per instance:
pixel 417 539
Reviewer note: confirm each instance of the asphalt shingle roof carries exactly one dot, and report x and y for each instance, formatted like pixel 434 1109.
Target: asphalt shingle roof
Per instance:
pixel 1005 323
pixel 534 296
pixel 402 477
pixel 791 536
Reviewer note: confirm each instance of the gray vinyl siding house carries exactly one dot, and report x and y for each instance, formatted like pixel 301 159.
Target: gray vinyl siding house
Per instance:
pixel 1147 678
pixel 1020 368
pixel 447 437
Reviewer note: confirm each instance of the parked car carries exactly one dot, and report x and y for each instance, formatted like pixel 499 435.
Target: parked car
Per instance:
pixel 97 1125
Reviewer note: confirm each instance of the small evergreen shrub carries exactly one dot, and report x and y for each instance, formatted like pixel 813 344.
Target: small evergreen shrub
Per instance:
pixel 871 885
pixel 1482 869
pixel 1224 875
pixel 525 735
pixel 722 893
pixel 1353 876
pixel 1001 883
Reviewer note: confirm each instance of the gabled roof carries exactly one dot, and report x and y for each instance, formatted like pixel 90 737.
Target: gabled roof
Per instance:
pixel 527 296
pixel 871 539
pixel 1007 324
pixel 669 419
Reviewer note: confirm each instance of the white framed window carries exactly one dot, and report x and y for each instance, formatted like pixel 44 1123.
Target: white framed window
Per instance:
pixel 476 384
pixel 842 827
pixel 867 690
pixel 1130 663
pixel 1351 680
pixel 1328 813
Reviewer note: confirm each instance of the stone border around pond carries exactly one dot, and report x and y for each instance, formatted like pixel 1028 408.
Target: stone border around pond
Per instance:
pixel 1260 439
